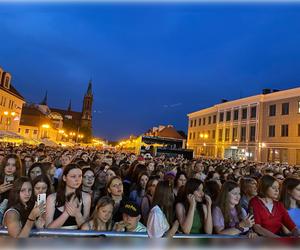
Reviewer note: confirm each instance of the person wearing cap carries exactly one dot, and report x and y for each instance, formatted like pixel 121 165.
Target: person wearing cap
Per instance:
pixel 131 219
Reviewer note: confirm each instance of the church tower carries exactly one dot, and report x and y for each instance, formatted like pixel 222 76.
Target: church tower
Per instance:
pixel 86 118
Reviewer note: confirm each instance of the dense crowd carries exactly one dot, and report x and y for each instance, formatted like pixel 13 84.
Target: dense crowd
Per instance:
pixel 104 190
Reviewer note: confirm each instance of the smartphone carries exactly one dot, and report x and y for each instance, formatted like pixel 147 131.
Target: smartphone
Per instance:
pixel 9 179
pixel 41 198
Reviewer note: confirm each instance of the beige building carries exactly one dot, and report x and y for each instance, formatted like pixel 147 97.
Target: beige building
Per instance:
pixel 11 102
pixel 264 127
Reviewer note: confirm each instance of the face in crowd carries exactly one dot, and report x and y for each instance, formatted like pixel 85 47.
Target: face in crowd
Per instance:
pixel 88 179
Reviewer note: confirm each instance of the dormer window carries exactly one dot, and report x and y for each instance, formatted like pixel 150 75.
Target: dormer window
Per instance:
pixel 6 82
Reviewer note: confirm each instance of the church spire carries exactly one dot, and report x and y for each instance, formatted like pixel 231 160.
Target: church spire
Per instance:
pixel 45 100
pixel 70 106
pixel 89 90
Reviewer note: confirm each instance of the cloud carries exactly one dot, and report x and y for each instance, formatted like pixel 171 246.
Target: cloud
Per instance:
pixel 172 105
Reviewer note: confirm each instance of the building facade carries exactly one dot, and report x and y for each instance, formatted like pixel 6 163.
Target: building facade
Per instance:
pixel 11 102
pixel 264 127
pixel 39 121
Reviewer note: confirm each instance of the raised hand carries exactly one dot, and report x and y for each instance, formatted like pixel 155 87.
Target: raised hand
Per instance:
pixel 248 221
pixel 5 187
pixel 191 199
pixel 37 211
pixel 208 200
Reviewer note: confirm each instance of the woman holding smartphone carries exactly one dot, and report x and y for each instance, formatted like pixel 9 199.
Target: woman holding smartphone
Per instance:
pixel 23 211
pixel 11 169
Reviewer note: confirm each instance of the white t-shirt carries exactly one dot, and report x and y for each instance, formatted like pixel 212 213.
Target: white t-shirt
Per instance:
pixel 157 224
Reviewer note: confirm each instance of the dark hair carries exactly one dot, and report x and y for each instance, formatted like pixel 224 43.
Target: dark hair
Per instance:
pixel 287 186
pixel 110 181
pixel 19 167
pixel 42 178
pixel 138 185
pixel 152 178
pixel 84 170
pixel 264 183
pixel 178 174
pixel 212 188
pixel 190 187
pixel 37 165
pixel 61 193
pixel 223 203
pixel 15 201
pixel 164 198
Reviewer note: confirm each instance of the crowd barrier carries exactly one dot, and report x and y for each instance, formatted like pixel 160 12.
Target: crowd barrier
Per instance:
pixel 91 233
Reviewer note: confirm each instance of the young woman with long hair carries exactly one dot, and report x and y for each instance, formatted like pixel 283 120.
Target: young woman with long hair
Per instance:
pixel 22 210
pixel 290 197
pixel 115 190
pixel 179 181
pixel 228 216
pixel 69 207
pixel 101 219
pixel 270 215
pixel 137 194
pixel 148 198
pixel 161 216
pixel 193 215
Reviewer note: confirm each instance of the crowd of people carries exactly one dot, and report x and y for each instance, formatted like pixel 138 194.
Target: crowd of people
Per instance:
pixel 107 190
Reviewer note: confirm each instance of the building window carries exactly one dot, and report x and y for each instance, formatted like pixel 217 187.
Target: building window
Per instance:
pixel 194 136
pixel 35 132
pixel 220 134
pixel 298 129
pixel 243 134
pixel 298 107
pixel 236 115
pixel 19 130
pixel 6 82
pixel 26 131
pixel 199 122
pixel 252 133
pixel 208 134
pixel 228 116
pixel 284 130
pixel 203 121
pixel 285 108
pixel 190 136
pixel 272 131
pixel 209 120
pixel 221 117
pixel 244 113
pixel 272 110
pixel 253 112
pixel 215 119
pixel 227 134
pixel 234 134
pixel 191 123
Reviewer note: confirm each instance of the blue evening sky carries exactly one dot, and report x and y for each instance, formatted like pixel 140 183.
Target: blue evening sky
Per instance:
pixel 150 64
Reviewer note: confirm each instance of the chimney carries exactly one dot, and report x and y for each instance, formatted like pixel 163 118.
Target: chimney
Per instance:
pixel 266 91
pixel 224 100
